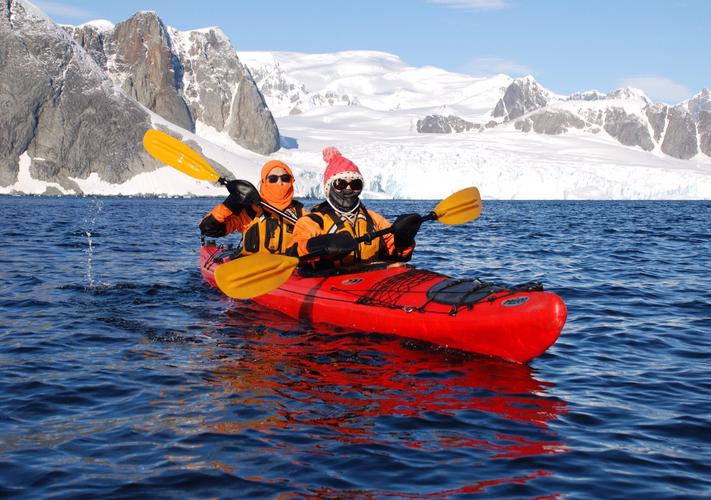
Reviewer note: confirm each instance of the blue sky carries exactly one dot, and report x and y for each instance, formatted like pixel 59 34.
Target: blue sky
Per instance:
pixel 567 45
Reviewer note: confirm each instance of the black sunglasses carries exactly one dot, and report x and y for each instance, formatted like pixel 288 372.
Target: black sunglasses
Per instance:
pixel 341 184
pixel 274 178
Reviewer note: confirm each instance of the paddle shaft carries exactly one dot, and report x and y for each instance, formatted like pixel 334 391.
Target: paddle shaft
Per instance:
pixel 368 237
pixel 266 205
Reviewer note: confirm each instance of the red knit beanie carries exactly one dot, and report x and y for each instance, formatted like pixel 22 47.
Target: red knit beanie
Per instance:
pixel 338 167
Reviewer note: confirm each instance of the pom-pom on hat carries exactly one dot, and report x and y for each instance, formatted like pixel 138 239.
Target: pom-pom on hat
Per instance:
pixel 338 167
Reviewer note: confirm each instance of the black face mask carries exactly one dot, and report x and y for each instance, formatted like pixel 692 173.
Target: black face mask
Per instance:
pixel 345 200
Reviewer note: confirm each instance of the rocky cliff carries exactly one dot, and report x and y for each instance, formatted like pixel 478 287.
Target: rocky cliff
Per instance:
pixel 185 77
pixel 58 106
pixel 522 96
pixel 626 115
pixel 73 100
pixel 439 124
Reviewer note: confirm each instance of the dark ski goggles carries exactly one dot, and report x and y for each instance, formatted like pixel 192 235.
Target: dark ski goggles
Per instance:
pixel 274 178
pixel 341 184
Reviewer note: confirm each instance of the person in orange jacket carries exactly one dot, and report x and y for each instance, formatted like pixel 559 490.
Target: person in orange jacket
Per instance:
pixel 262 229
pixel 331 226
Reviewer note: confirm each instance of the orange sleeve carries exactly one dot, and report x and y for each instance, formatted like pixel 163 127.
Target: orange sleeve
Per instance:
pixel 305 229
pixel 221 213
pixel 382 223
pixel 231 221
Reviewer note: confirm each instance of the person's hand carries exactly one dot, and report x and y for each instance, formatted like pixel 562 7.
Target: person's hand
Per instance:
pixel 242 194
pixel 405 228
pixel 332 245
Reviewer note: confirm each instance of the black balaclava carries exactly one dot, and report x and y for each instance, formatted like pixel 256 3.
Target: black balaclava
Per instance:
pixel 344 201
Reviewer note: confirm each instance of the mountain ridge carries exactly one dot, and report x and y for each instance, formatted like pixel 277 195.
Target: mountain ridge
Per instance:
pixel 626 114
pixel 370 104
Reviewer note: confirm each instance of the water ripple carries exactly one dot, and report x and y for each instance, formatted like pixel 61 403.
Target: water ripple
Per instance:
pixel 124 376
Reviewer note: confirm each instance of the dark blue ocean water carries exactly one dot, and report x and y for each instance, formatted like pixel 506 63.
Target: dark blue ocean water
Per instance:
pixel 122 375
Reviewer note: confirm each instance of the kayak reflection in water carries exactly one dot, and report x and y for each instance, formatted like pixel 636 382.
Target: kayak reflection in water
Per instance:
pixel 357 396
pixel 263 230
pixel 330 228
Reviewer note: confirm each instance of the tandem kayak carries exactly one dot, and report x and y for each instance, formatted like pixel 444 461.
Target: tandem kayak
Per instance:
pixel 516 323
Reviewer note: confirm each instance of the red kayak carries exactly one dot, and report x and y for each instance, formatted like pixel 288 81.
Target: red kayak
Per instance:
pixel 514 323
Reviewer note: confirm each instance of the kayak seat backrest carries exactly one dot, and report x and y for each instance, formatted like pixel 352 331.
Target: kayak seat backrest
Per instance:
pixel 226 255
pixel 462 292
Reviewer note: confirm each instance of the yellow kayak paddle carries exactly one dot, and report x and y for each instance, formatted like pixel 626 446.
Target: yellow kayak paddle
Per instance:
pixel 168 150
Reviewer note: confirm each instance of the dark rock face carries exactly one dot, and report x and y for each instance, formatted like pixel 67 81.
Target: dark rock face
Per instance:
pixel 523 125
pixel 438 124
pixel 657 116
pixel 699 103
pixel 92 39
pixel 680 132
pixel 61 108
pixel 185 77
pixel 137 54
pixel 207 88
pixel 221 91
pixel 522 96
pixel 680 139
pixel 627 128
pixel 254 124
pixel 550 122
pixel 142 50
pixel 704 128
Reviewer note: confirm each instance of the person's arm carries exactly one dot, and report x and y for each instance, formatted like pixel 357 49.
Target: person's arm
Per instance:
pixel 232 214
pixel 394 246
pixel 221 221
pixel 306 228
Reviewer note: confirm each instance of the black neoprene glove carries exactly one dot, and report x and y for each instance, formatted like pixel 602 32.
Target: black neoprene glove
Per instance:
pixel 405 228
pixel 332 245
pixel 242 194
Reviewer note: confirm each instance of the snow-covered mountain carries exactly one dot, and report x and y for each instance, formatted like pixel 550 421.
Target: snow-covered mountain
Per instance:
pixel 512 138
pixel 190 78
pixel 294 83
pixel 76 101
pixel 61 116
pixel 523 140
pixel 448 102
pixel 626 115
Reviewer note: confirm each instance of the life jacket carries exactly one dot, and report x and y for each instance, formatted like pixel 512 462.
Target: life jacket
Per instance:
pixel 330 222
pixel 269 231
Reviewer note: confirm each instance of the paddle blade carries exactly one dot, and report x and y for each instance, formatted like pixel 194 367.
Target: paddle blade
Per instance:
pixel 254 275
pixel 170 151
pixel 460 207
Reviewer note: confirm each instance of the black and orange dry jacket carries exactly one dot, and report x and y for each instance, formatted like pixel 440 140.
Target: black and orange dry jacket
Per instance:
pixel 262 230
pixel 323 219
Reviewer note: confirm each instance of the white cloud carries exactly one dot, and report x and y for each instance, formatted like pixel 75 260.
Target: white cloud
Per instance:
pixel 658 88
pixel 472 4
pixel 57 9
pixel 486 66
